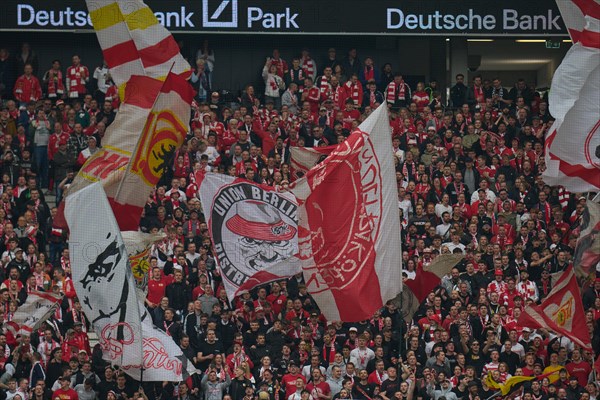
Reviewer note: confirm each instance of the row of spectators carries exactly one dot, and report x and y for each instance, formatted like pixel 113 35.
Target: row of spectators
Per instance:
pixel 469 181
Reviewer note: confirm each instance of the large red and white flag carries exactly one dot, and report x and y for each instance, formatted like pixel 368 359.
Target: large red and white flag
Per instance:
pixel 302 159
pixel 561 311
pixel 254 231
pixel 153 118
pixel 151 124
pixel 349 225
pixel 572 148
pixel 133 42
pixel 30 315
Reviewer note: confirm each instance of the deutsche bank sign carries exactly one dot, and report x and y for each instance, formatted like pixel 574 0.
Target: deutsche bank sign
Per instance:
pixel 335 17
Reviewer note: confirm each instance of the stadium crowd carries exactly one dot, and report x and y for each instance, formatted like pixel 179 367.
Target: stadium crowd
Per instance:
pixel 468 172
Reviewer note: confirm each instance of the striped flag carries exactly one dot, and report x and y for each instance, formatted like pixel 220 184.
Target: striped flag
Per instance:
pixel 134 42
pixel 30 315
pixel 572 148
pixel 151 124
pixel 349 225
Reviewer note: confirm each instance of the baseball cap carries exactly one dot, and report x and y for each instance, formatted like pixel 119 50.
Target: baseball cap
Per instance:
pixel 498 272
pixel 353 329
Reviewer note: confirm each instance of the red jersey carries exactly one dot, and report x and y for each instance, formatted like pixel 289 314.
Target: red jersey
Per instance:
pixel 156 288
pixel 69 394
pixel 277 302
pixel 350 117
pixel 288 381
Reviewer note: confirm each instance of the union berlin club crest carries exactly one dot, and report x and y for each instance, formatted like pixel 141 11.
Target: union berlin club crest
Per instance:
pixel 254 231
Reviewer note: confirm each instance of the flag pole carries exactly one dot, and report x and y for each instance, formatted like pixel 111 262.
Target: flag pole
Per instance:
pixel 400 336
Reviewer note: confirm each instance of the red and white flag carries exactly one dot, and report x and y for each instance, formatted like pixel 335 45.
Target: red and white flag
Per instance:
pixel 349 225
pixel 572 148
pixel 254 231
pixel 151 124
pixel 561 311
pixel 30 315
pixel 153 118
pixel 133 41
pixel 302 159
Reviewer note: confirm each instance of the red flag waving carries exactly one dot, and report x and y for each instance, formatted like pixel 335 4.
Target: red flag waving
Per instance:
pixel 562 311
pixel 349 225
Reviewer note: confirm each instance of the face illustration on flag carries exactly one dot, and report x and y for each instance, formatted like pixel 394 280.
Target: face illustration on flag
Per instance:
pixel 254 231
pixel 102 276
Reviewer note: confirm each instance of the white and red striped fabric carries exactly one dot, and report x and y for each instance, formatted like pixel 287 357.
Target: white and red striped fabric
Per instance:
pixel 30 315
pixel 134 42
pixel 572 148
pixel 349 225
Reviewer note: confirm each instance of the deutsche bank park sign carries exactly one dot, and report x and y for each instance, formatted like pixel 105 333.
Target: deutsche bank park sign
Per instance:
pixel 335 17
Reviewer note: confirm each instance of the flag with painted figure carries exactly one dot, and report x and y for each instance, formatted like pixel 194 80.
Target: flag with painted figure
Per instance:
pixel 151 124
pixel 133 41
pixel 102 277
pixel 572 148
pixel 30 315
pixel 105 286
pixel 349 224
pixel 561 311
pixel 254 231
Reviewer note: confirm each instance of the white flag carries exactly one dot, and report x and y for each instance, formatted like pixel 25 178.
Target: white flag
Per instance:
pixel 104 284
pixel 254 231
pixel 102 276
pixel 572 148
pixel 30 315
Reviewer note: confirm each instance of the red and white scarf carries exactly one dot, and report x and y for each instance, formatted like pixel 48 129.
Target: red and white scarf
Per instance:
pixel 55 84
pixel 396 91
pixel 324 85
pixel 353 91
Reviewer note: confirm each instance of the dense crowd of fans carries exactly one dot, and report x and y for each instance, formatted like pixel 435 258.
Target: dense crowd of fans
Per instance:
pixel 469 181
